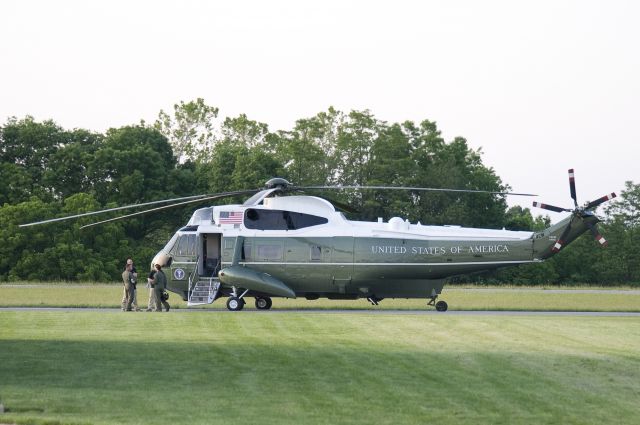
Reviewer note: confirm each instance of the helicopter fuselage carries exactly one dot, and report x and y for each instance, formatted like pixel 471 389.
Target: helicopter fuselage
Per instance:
pixel 308 247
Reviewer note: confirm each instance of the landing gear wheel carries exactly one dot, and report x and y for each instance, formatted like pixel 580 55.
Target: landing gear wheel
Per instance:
pixel 441 306
pixel 235 304
pixel 263 303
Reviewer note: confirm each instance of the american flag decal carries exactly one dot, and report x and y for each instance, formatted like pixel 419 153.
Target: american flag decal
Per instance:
pixel 231 217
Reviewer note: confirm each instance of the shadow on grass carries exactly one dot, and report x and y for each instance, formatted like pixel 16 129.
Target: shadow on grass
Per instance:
pixel 267 382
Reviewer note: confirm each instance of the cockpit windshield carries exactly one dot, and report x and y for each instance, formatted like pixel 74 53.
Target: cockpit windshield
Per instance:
pixel 169 245
pixel 185 245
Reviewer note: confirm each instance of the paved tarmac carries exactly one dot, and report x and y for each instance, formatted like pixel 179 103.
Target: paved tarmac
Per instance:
pixel 447 288
pixel 546 291
pixel 347 311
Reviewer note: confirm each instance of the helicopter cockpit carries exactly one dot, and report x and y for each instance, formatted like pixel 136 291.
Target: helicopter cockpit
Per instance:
pixel 181 247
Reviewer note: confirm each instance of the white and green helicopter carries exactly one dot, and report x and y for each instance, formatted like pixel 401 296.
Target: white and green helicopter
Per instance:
pixel 293 246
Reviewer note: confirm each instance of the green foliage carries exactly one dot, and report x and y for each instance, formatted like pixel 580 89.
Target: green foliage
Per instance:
pixel 131 165
pixel 48 172
pixel 68 168
pixel 621 263
pixel 190 130
pixel 43 160
pixel 20 244
pixel 518 218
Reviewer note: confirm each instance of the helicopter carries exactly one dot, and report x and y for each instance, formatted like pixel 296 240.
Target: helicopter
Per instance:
pixel 280 244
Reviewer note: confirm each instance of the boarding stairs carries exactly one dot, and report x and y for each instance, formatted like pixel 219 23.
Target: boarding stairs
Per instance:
pixel 204 291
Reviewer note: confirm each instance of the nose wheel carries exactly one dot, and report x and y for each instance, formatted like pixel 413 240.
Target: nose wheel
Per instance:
pixel 235 304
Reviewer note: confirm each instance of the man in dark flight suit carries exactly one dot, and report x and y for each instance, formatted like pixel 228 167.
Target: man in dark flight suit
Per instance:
pixel 160 284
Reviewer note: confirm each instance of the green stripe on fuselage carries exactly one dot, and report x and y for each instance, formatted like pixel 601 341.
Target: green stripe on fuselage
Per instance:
pixel 348 264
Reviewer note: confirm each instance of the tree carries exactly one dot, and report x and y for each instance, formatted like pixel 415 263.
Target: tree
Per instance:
pixel 304 160
pixel 354 147
pixel 626 208
pixel 26 147
pixel 253 168
pixel 236 167
pixel 243 131
pixel 391 163
pixel 18 244
pixel 452 165
pixel 16 184
pixel 131 165
pixel 67 171
pixel 191 130
pixel 518 218
pixel 622 229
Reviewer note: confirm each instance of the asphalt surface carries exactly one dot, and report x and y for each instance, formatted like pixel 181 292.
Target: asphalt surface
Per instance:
pixel 547 291
pixel 446 289
pixel 347 311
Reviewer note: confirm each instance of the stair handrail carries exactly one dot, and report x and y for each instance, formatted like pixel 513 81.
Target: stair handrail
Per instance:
pixel 215 269
pixel 195 270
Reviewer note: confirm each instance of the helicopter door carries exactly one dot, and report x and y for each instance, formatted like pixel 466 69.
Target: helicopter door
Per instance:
pixel 211 254
pixel 342 259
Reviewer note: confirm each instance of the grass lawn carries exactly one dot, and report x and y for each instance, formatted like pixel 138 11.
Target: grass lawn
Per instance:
pixel 60 295
pixel 109 367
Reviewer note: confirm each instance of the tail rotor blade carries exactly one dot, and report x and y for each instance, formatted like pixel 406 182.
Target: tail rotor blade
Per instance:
pixel 599 238
pixel 549 207
pixel 572 187
pixel 599 201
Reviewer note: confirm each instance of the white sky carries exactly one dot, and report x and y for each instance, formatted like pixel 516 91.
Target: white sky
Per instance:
pixel 540 86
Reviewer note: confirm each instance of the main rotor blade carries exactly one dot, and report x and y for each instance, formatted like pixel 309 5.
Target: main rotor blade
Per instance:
pixel 68 217
pixel 572 186
pixel 426 189
pixel 208 198
pixel 342 205
pixel 550 207
pixel 600 200
pixel 195 198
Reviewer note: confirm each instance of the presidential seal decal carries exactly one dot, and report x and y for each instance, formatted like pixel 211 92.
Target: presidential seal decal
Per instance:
pixel 178 274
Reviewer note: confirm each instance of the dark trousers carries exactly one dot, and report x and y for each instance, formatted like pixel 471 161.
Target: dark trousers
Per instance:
pixel 159 301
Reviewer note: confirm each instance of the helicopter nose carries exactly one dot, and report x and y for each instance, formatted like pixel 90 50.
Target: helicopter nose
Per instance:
pixel 161 258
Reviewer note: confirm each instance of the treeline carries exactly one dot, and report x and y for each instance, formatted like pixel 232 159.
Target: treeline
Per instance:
pixel 47 171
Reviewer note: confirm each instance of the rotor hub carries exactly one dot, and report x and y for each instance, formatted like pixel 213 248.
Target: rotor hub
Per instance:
pixel 277 183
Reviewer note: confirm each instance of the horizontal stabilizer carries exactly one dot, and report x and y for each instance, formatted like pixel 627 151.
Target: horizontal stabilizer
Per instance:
pixel 247 278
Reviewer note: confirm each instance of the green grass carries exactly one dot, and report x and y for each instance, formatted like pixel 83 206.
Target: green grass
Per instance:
pixel 109 367
pixel 458 299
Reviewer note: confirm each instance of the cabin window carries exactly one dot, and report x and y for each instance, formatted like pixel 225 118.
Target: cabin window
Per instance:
pixel 316 252
pixel 269 252
pixel 247 251
pixel 280 220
